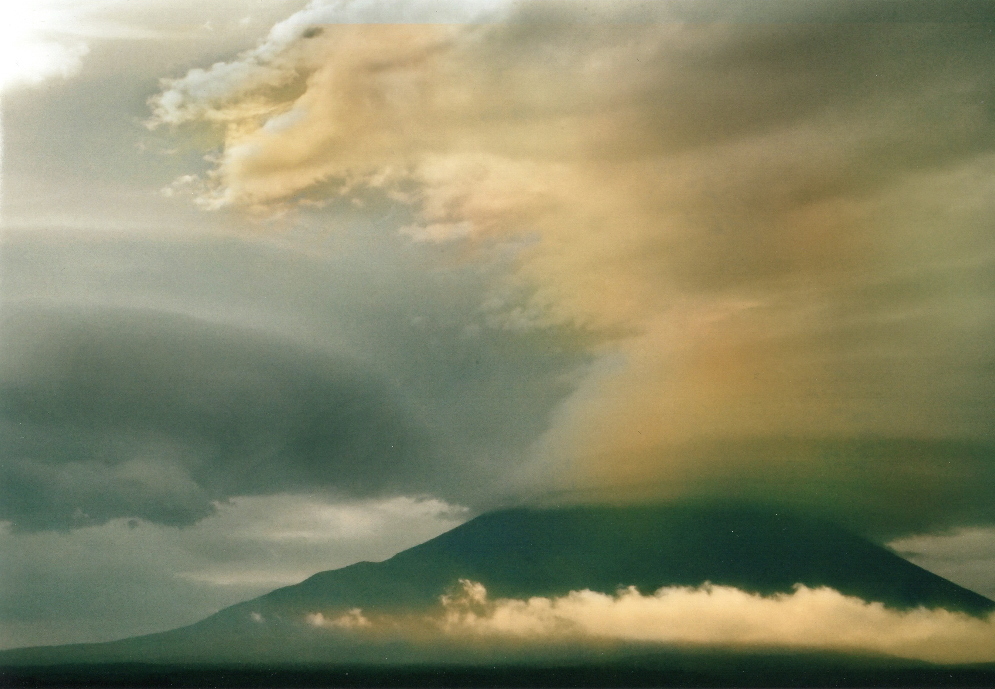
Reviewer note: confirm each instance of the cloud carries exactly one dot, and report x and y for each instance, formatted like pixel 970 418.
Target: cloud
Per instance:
pixel 31 54
pixel 772 229
pixel 129 576
pixel 866 483
pixel 965 556
pixel 153 377
pixel 280 62
pixel 158 417
pixel 354 619
pixel 709 616
pixel 282 539
pixel 50 38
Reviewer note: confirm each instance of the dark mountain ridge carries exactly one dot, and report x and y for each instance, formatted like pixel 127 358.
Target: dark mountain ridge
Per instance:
pixel 520 553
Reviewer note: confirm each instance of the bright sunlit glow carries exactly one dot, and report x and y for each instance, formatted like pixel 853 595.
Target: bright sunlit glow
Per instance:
pixel 35 43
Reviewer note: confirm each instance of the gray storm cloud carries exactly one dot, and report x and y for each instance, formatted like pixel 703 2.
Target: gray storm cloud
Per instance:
pixel 773 227
pixel 154 416
pixel 147 378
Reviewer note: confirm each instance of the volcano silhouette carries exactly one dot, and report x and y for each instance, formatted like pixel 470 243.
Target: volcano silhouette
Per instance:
pixel 530 552
pixel 519 553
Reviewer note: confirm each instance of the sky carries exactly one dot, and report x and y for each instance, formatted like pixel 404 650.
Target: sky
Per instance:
pixel 289 285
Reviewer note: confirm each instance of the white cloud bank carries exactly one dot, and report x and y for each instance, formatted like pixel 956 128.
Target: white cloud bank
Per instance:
pixel 717 616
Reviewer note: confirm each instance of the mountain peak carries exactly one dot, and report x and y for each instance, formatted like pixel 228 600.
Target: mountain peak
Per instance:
pixel 523 552
pixel 548 553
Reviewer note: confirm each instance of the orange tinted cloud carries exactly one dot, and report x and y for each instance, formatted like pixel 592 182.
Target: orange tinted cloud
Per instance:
pixel 773 230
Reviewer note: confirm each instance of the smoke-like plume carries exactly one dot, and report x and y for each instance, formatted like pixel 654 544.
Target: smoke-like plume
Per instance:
pixel 776 231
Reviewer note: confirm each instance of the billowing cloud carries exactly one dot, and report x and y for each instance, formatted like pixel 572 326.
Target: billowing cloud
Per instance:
pixel 709 616
pixel 773 228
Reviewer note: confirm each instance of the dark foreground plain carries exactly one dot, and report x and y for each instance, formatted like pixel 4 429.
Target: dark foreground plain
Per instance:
pixel 690 669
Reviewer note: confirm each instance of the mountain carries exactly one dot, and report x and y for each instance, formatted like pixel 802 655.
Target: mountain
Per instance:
pixel 520 553
pixel 527 552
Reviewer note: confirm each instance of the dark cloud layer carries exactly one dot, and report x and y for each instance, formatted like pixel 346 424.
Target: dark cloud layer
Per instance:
pixel 276 368
pixel 154 416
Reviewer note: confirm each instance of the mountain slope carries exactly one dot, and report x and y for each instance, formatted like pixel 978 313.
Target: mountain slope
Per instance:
pixel 521 553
